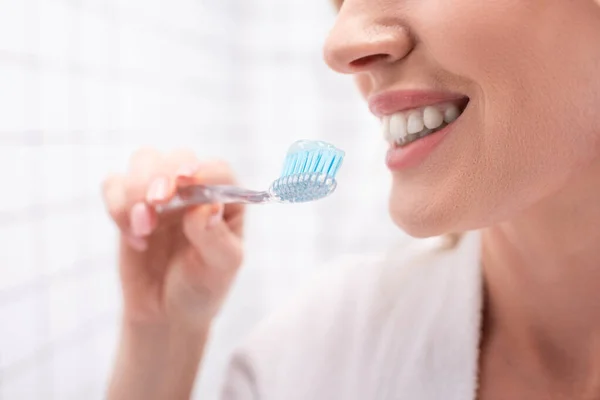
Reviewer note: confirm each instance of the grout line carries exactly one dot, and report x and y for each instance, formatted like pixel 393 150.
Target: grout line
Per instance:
pixel 79 269
pixel 183 36
pixel 90 328
pixel 35 138
pixel 42 322
pixel 43 210
pixel 195 86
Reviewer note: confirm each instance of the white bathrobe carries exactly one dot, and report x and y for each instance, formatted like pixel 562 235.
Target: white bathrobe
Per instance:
pixel 399 327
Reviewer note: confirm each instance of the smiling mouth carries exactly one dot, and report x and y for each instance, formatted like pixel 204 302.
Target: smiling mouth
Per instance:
pixel 407 126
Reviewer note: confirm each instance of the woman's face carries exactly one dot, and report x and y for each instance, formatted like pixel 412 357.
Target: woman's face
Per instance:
pixel 530 70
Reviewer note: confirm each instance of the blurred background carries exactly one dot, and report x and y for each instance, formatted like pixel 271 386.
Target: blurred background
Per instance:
pixel 83 83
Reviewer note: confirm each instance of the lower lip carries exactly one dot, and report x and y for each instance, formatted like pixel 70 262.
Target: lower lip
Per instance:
pixel 416 152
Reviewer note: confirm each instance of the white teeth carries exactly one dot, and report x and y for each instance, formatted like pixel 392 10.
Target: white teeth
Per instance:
pixel 451 113
pixel 385 127
pixel 415 122
pixel 398 125
pixel 432 117
pixel 405 126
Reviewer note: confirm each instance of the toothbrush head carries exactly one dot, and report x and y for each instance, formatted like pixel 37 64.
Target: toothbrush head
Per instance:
pixel 308 172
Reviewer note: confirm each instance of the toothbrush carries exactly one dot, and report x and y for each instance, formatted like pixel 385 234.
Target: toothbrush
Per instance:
pixel 308 174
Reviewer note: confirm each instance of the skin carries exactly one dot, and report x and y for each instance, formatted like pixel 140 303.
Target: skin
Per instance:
pixel 175 271
pixel 522 165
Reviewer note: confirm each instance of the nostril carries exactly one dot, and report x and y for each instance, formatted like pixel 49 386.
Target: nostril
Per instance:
pixel 363 61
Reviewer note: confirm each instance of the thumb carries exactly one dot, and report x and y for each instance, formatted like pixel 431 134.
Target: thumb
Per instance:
pixel 211 237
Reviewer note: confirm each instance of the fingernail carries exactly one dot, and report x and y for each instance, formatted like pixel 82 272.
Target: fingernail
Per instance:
pixel 137 243
pixel 187 171
pixel 158 190
pixel 216 216
pixel 141 224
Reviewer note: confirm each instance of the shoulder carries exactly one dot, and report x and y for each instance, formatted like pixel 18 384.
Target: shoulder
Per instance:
pixel 345 316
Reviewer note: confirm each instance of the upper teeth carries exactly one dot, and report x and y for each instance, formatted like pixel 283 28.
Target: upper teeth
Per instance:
pixel 398 126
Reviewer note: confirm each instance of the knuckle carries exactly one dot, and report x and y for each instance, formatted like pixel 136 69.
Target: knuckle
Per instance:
pixel 222 165
pixel 144 159
pixel 222 171
pixel 111 185
pixel 182 156
pixel 143 152
pixel 115 200
pixel 135 191
pixel 182 159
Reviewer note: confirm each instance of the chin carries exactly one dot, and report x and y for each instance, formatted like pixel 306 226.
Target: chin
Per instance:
pixel 423 219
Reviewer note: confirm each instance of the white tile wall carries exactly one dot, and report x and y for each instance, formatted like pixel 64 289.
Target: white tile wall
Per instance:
pixel 82 84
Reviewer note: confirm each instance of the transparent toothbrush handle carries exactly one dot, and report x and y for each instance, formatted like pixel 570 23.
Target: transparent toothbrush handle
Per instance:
pixel 203 194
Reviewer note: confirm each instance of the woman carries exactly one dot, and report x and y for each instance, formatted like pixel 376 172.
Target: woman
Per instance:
pixel 509 310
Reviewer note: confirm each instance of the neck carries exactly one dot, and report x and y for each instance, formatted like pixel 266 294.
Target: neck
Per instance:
pixel 542 273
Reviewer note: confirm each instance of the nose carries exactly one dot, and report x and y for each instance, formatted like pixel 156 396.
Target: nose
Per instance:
pixel 362 40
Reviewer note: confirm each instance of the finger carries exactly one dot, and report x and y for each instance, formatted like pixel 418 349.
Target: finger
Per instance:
pixel 144 160
pixel 177 164
pixel 211 237
pixel 214 172
pixel 138 244
pixel 145 166
pixel 143 220
pixel 209 173
pixel 180 157
pixel 115 199
pixel 187 175
pixel 139 220
pixel 160 190
pixel 180 165
pixel 151 181
pixel 220 173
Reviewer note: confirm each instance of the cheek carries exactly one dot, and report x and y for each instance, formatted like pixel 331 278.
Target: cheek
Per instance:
pixel 477 40
pixel 465 25
pixel 528 98
pixel 518 144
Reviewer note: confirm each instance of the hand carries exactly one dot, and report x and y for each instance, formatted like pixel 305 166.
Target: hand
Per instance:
pixel 176 268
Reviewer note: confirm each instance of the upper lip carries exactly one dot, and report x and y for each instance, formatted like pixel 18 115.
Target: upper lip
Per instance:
pixel 387 103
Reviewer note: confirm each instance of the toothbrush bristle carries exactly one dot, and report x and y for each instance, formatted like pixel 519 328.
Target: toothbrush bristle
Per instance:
pixel 308 172
pixel 312 157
